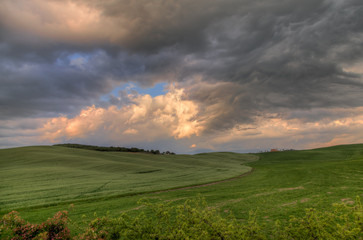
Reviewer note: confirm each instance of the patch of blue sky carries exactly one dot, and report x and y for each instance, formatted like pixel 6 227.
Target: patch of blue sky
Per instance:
pixel 156 90
pixel 78 60
pixel 77 55
pixel 75 59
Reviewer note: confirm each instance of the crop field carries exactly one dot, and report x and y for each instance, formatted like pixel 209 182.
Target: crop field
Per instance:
pixel 39 181
pixel 43 176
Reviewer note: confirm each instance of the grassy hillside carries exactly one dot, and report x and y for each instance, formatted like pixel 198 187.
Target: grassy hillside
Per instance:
pixel 38 176
pixel 281 184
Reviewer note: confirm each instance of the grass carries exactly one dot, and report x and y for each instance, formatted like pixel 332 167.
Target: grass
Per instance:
pixel 281 184
pixel 41 176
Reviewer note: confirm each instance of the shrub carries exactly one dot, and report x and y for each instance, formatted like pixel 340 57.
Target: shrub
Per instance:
pixel 344 222
pixel 14 227
pixel 193 220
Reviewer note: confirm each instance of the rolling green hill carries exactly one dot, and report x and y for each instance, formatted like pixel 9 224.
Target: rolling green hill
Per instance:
pixel 40 176
pixel 39 181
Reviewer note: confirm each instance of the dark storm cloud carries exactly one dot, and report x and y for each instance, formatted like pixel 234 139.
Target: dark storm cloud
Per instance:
pixel 157 24
pixel 70 82
pixel 283 57
pixel 272 56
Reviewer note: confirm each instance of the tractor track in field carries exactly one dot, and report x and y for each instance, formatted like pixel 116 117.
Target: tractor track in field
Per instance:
pixel 191 187
pixel 205 184
pixel 142 193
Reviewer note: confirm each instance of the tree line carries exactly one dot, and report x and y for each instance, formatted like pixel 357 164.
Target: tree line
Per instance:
pixel 113 149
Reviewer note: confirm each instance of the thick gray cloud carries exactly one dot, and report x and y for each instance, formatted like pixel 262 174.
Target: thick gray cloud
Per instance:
pixel 283 57
pixel 251 58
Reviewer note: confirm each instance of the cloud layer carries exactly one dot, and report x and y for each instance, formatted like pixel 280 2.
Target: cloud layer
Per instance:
pixel 146 118
pixel 238 68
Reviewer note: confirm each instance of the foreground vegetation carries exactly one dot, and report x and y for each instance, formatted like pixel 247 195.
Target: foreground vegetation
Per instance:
pixel 193 220
pixel 282 184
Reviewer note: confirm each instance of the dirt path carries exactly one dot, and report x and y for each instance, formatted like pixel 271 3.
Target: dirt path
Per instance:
pixel 206 184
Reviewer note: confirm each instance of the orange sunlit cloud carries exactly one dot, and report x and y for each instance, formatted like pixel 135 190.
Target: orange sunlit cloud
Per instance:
pixel 65 65
pixel 173 115
pixel 161 116
pixel 64 21
pixel 277 132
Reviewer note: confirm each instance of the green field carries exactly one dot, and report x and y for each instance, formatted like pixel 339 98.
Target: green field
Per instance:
pixel 43 176
pixel 39 181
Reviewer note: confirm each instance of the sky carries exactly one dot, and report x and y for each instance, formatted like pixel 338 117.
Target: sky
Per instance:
pixel 186 76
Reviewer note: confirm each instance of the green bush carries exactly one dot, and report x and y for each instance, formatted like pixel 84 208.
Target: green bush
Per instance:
pixel 15 228
pixel 193 220
pixel 343 222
